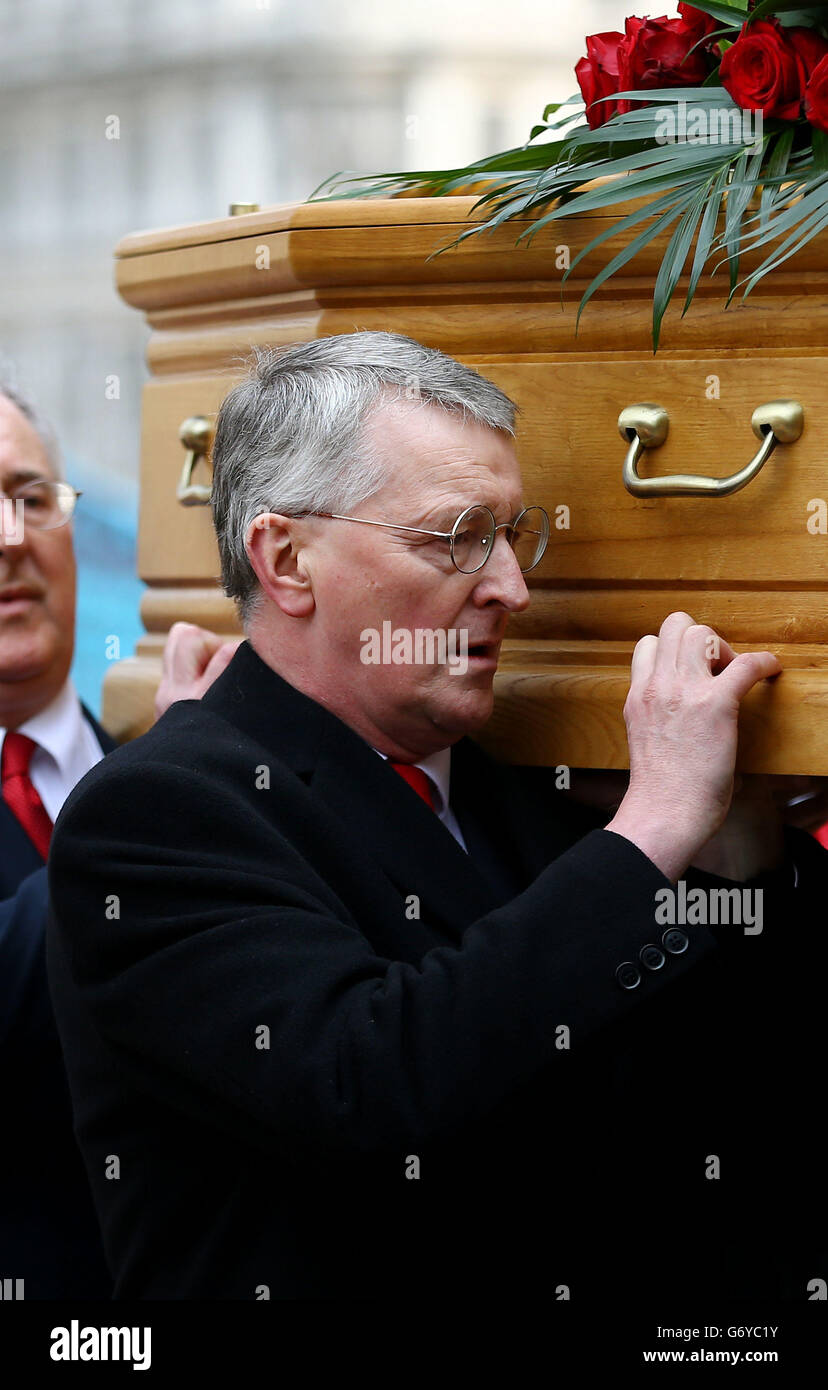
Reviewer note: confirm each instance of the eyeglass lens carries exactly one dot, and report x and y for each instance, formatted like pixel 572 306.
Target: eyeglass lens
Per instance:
pixel 45 504
pixel 474 538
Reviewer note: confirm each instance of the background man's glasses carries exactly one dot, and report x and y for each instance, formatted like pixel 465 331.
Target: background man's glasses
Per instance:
pixel 472 537
pixel 46 504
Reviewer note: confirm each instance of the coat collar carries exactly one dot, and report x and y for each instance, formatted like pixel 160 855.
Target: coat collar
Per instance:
pixel 437 767
pixel 413 847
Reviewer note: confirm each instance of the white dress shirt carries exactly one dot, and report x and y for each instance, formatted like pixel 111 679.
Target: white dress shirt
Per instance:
pixel 437 767
pixel 67 748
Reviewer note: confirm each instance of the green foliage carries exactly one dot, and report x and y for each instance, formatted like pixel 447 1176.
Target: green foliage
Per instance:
pixel 703 184
pixel 793 10
pixel 734 15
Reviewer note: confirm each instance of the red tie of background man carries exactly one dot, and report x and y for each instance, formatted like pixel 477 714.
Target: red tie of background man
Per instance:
pixel 19 793
pixel 416 778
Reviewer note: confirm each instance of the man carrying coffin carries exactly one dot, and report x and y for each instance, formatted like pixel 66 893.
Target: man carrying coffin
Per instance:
pixel 350 1010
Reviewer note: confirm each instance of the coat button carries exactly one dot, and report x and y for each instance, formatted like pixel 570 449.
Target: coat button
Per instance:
pixel 651 957
pixel 628 975
pixel 675 941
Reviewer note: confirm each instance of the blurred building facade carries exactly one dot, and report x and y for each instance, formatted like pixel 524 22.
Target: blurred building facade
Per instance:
pixel 147 113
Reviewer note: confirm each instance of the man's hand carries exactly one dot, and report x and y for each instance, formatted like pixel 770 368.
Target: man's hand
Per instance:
pixel 682 715
pixel 192 659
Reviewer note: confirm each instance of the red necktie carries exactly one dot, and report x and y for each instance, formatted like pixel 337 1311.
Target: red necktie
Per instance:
pixel 416 778
pixel 19 793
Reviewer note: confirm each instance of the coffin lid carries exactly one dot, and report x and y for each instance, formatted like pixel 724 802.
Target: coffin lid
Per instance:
pixel 318 247
pixel 285 217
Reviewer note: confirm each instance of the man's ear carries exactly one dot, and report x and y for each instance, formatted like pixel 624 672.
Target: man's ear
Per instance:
pixel 278 560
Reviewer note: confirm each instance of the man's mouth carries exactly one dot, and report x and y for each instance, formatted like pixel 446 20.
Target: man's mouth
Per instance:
pixel 484 652
pixel 16 598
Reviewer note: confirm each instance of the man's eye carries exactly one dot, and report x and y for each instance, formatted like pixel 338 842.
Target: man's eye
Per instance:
pixel 33 498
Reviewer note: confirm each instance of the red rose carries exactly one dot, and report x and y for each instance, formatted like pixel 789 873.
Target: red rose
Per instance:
pixel 597 76
pixel 656 53
pixel 809 44
pixel 764 71
pixel 816 96
pixel 698 24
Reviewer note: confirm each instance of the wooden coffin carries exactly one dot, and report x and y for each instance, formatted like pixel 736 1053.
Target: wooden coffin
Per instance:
pixel 753 564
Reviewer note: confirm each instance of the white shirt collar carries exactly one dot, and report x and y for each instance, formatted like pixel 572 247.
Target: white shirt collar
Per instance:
pixel 438 767
pixel 67 747
pixel 59 728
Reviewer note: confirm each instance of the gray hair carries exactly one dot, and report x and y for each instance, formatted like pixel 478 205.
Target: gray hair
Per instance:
pixel 11 388
pixel 290 437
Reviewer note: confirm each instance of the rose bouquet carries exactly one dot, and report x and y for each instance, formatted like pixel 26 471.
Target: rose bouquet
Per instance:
pixel 715 122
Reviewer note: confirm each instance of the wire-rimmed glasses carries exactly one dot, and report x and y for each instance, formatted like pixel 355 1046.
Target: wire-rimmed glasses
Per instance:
pixel 47 504
pixel 472 537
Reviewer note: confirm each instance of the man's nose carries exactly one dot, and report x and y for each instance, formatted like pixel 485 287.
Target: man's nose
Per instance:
pixel 501 578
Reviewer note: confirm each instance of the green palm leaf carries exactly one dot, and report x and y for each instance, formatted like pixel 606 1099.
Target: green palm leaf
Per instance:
pixel 625 255
pixel 788 216
pixel 673 260
pixel 734 15
pixel 638 183
pixel 770 7
pixel 714 192
pixel 658 205
pixel 743 186
pixel 775 171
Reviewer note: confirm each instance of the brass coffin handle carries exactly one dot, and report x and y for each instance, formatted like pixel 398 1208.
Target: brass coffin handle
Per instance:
pixel 645 426
pixel 195 434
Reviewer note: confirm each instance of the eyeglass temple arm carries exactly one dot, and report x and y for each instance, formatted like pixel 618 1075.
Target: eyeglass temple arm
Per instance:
pixel 443 535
